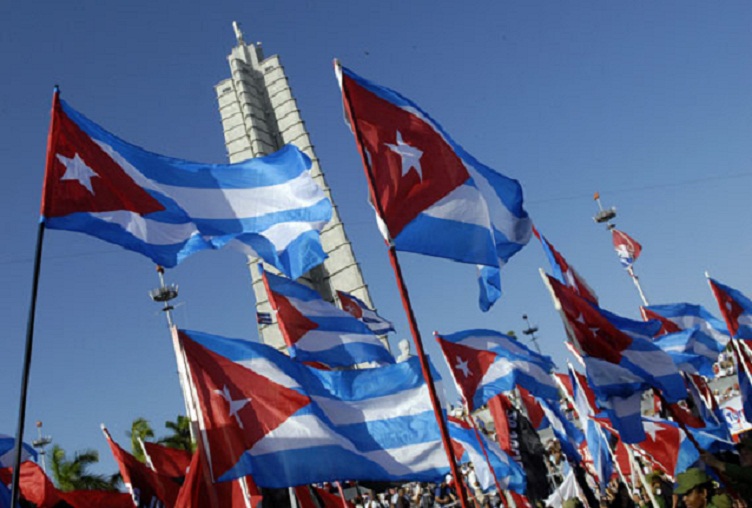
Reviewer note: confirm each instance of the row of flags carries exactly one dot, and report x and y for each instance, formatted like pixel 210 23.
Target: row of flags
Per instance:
pixel 268 417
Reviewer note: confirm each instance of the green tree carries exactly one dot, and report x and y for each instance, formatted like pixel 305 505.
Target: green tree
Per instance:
pixel 180 437
pixel 73 474
pixel 140 429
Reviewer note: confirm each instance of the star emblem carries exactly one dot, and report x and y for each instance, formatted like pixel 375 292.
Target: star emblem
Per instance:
pixel 652 429
pixel 76 169
pixel 462 366
pixel 410 156
pixel 235 405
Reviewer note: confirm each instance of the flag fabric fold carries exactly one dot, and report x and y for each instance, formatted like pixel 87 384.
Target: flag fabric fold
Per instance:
pixel 626 247
pixel 147 487
pixel 266 415
pixel 621 358
pixel 481 374
pixel 8 449
pixel 430 195
pixel 167 209
pixel 166 461
pixel 318 331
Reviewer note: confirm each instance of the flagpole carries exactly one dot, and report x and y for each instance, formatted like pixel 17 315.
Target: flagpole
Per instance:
pixel 51 141
pixel 404 296
pixel 485 455
pixel 26 366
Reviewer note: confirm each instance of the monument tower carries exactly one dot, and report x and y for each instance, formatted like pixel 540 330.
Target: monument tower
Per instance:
pixel 260 115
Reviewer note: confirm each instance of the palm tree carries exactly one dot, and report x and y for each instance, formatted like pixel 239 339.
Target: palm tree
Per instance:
pixel 180 438
pixel 72 474
pixel 140 430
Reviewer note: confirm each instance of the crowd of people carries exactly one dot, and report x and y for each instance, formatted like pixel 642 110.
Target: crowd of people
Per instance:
pixel 714 482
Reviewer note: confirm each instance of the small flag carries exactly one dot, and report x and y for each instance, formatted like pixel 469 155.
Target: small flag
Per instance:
pixel 264 318
pixel 360 310
pixel 564 272
pixel 626 247
pixel 318 331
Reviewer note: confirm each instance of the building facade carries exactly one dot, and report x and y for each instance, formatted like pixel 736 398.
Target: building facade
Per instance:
pixel 259 115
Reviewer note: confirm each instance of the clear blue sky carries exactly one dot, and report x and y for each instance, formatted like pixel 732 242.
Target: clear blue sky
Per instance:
pixel 649 103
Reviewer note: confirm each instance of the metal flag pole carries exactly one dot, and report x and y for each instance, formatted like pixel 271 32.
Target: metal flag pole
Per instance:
pixel 394 261
pixel 51 141
pixel 605 215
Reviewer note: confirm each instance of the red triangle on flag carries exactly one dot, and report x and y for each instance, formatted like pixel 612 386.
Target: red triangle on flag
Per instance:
pixel 82 177
pixel 239 405
pixel 293 323
pixel 468 366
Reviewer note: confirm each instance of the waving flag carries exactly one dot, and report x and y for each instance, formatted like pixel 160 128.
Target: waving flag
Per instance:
pixel 166 461
pixel 564 272
pixel 737 312
pixel 626 247
pixel 482 374
pixel 168 209
pixel 603 335
pixel 360 310
pixel 317 331
pixel 667 446
pixel 684 316
pixel 431 196
pixel 508 473
pixel 736 309
pixel 265 415
pixel 147 487
pixel 693 351
pixel 597 445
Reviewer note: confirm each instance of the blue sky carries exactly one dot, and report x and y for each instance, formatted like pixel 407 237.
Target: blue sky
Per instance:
pixel 648 103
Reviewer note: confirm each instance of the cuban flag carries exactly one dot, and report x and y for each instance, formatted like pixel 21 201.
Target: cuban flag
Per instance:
pixel 168 209
pixel 605 336
pixel 360 310
pixel 318 331
pixel 736 309
pixel 286 424
pixel 481 374
pixel 597 444
pixel 564 272
pixel 693 351
pixel 430 195
pixel 684 316
pixel 482 452
pixel 626 247
pixel 667 446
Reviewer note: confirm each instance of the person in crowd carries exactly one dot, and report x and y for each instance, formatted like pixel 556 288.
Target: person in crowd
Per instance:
pixel 443 495
pixel 697 490
pixel 739 476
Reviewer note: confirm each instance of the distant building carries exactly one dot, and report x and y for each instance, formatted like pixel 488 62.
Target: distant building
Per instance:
pixel 259 115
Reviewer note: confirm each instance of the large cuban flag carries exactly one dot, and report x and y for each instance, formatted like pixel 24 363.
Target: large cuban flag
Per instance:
pixel 288 424
pixel 317 331
pixel 168 209
pixel 430 195
pixel 686 316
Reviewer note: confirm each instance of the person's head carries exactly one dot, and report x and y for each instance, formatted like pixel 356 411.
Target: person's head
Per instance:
pixel 694 487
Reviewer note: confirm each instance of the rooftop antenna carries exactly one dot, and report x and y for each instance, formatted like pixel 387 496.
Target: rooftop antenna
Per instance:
pixel 165 294
pixel 604 214
pixel 530 331
pixel 238 32
pixel 40 443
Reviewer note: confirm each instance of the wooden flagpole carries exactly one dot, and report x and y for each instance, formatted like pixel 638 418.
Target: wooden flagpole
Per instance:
pixel 404 296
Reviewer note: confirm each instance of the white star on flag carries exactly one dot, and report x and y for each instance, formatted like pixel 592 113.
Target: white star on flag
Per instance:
pixel 651 428
pixel 235 405
pixel 462 365
pixel 410 156
pixel 76 169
